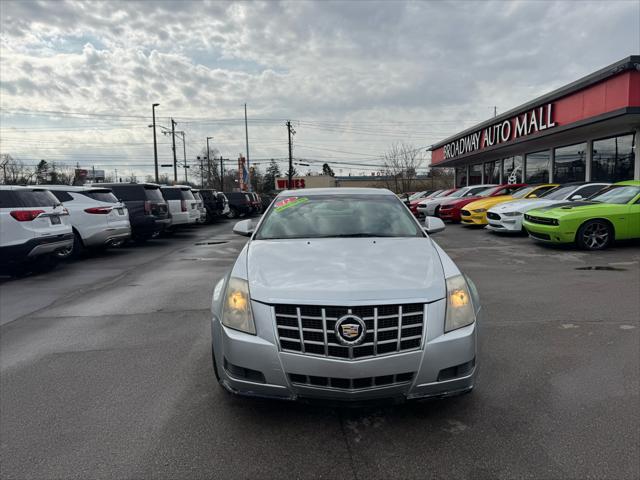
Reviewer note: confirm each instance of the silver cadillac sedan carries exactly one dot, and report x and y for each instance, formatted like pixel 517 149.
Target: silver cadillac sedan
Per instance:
pixel 341 294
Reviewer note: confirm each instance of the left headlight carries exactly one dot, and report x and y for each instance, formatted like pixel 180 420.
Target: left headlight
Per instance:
pixel 480 210
pixel 460 311
pixel 236 311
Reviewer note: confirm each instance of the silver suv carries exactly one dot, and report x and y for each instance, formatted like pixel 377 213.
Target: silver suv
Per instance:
pixel 341 294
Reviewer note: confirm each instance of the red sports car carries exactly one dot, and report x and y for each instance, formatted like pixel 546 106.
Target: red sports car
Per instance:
pixel 451 210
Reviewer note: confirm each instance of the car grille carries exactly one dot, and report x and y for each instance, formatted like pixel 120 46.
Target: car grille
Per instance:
pixel 361 383
pixel 541 220
pixel 493 216
pixel 465 213
pixel 310 329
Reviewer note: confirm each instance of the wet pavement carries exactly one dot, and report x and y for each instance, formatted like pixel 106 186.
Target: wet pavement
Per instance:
pixel 106 373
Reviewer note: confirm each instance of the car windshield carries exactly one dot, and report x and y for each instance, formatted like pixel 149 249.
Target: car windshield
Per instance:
pixel 558 193
pixel 523 192
pixel 323 216
pixel 618 194
pixel 186 194
pixel 459 193
pixel 153 194
pixel 100 195
pixel 485 192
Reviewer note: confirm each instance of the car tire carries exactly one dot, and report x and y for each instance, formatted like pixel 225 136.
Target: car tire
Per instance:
pixel 233 213
pixel 78 245
pixel 436 212
pixel 594 234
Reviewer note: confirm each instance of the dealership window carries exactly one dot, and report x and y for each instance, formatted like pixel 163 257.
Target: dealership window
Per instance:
pixel 512 169
pixel 538 167
pixel 475 174
pixel 461 176
pixel 569 164
pixel 613 159
pixel 492 172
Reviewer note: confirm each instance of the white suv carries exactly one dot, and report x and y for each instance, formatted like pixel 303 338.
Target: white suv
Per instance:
pixel 97 217
pixel 34 226
pixel 183 206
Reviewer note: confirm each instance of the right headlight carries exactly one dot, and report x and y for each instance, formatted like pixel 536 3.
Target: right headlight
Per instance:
pixel 460 311
pixel 236 310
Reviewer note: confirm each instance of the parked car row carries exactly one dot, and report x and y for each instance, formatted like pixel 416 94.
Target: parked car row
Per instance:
pixel 42 224
pixel 589 214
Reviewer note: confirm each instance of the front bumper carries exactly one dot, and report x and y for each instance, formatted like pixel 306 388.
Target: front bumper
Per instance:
pixel 450 215
pixel 549 233
pixel 254 365
pixel 475 218
pixel 505 224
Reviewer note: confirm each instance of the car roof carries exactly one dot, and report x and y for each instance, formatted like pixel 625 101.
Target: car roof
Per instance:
pixel 632 183
pixel 24 187
pixel 337 191
pixel 77 188
pixel 130 184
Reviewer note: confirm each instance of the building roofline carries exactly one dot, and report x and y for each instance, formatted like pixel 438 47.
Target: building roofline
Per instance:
pixel 631 62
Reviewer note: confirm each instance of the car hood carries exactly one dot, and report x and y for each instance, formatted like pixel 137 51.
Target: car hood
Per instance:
pixel 440 201
pixel 564 208
pixel 522 205
pixel 344 270
pixel 488 202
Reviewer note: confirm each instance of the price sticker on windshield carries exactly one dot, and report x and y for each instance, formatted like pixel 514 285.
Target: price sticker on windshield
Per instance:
pixel 290 202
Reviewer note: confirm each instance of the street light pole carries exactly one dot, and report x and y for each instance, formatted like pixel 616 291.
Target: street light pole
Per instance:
pixel 175 162
pixel 208 162
pixel 155 143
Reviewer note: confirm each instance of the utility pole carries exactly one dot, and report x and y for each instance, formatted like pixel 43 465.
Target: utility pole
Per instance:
pixel 290 172
pixel 208 163
pixel 221 174
pixel 495 111
pixel 175 162
pixel 184 153
pixel 155 143
pixel 116 174
pixel 246 138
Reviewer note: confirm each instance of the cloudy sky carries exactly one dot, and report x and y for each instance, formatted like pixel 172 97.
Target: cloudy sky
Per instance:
pixel 78 78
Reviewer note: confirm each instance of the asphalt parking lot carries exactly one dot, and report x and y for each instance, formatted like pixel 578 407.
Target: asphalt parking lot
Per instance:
pixel 106 373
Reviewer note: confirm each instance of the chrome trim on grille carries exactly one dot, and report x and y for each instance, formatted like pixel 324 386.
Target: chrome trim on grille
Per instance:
pixel 310 329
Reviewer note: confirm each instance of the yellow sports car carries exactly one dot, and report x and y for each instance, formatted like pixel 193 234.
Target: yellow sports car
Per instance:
pixel 475 213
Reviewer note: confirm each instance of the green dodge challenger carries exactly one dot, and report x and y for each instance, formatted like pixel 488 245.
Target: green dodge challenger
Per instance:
pixel 612 214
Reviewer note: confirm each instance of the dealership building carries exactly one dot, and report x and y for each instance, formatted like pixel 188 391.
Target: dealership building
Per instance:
pixel 585 131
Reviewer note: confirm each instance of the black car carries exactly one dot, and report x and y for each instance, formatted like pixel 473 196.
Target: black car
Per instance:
pixel 148 211
pixel 240 203
pixel 215 203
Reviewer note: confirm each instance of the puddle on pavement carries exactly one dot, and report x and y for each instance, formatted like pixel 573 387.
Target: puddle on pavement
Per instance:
pixel 212 242
pixel 613 269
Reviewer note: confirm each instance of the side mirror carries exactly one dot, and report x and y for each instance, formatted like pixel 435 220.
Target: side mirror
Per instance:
pixel 576 197
pixel 433 225
pixel 244 227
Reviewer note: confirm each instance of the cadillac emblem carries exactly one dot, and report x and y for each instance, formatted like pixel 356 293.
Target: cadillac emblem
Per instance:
pixel 350 330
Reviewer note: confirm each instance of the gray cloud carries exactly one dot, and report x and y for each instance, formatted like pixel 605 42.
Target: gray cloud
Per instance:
pixel 335 61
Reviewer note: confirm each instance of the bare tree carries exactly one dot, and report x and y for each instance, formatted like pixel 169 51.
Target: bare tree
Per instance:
pixel 401 164
pixel 14 171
